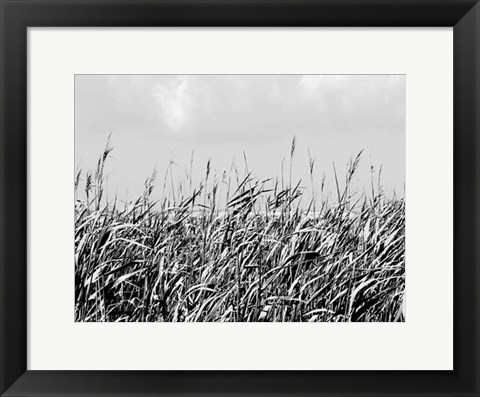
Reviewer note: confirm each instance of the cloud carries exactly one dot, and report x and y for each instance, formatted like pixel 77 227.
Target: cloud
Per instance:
pixel 239 108
pixel 174 101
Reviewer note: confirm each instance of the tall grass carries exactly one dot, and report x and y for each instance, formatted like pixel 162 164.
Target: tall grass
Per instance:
pixel 238 249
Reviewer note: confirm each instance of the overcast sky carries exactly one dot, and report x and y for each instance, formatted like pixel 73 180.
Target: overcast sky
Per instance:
pixel 157 118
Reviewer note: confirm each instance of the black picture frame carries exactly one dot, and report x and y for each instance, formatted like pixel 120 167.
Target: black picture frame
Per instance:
pixel 18 15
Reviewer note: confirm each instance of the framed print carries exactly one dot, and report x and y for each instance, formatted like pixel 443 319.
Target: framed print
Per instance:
pixel 239 198
pixel 287 267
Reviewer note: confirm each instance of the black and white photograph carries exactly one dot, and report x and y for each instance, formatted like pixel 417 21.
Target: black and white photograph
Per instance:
pixel 240 198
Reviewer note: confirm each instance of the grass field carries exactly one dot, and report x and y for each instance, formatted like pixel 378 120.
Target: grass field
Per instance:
pixel 237 248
